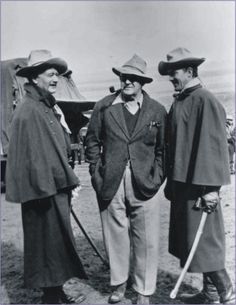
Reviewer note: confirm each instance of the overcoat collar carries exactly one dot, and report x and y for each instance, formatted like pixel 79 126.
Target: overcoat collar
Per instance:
pixel 39 94
pixel 144 117
pixel 181 96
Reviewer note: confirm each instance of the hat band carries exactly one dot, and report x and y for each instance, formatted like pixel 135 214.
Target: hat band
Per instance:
pixel 37 63
pixel 134 68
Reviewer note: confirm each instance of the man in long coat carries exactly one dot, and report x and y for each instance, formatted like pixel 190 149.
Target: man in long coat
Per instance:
pixel 38 176
pixel 125 149
pixel 197 168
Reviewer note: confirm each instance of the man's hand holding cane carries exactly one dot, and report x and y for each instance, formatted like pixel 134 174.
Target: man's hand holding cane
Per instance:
pixel 208 204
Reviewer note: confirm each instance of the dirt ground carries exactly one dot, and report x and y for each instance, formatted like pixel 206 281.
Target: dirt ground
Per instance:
pixel 96 288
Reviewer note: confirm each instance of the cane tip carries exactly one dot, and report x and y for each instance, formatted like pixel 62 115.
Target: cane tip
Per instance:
pixel 173 294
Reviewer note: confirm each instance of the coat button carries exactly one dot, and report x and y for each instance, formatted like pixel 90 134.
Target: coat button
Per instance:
pixel 51 122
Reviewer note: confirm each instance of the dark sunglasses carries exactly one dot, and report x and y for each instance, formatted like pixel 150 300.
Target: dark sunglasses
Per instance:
pixel 131 78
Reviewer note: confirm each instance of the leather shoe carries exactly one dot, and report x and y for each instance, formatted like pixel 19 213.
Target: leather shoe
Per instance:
pixel 223 285
pixel 66 299
pixel 199 298
pixel 118 294
pixel 143 299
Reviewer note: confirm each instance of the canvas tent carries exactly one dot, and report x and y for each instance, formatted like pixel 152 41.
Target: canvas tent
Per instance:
pixel 72 103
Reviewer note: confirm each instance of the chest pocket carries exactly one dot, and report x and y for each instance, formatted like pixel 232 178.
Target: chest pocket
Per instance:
pixel 150 133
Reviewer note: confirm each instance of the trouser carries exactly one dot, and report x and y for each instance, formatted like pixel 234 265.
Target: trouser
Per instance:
pixel 129 223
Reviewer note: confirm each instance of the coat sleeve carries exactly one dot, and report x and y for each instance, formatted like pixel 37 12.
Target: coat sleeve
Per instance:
pixel 160 149
pixel 93 140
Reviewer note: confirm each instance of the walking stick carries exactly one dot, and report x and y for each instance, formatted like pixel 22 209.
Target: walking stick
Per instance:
pixel 192 252
pixel 89 238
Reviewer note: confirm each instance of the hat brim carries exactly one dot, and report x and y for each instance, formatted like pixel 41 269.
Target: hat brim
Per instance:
pixel 59 64
pixel 128 71
pixel 164 68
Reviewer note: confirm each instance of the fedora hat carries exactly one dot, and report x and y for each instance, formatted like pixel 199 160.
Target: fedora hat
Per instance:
pixel 135 66
pixel 41 60
pixel 177 59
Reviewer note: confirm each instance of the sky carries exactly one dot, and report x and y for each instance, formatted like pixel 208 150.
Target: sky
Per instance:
pixel 94 36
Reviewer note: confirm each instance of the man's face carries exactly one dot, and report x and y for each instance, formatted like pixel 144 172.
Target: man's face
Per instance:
pixel 47 80
pixel 180 78
pixel 130 85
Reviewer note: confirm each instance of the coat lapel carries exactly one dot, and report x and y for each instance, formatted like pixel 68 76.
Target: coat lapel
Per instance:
pixel 118 115
pixel 144 117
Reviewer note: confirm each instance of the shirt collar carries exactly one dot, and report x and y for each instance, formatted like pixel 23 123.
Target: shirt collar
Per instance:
pixel 192 83
pixel 118 100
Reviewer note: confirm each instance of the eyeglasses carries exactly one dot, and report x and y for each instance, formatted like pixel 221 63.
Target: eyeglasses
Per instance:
pixel 131 78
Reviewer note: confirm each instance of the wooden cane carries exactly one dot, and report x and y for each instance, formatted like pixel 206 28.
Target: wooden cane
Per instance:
pixel 89 239
pixel 191 254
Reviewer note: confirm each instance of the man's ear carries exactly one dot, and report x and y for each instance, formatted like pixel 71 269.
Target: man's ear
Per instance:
pixel 190 71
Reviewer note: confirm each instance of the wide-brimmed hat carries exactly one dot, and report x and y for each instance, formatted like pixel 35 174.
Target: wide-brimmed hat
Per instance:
pixel 177 59
pixel 135 66
pixel 41 60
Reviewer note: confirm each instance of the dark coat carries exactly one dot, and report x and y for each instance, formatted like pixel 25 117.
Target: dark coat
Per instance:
pixel 37 164
pixel 198 164
pixel 109 147
pixel 198 152
pixel 50 252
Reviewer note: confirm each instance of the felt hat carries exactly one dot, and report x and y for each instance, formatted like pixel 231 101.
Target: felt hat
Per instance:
pixel 135 66
pixel 41 60
pixel 178 59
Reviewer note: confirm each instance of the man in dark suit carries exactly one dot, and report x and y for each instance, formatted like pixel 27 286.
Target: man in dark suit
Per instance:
pixel 197 168
pixel 125 149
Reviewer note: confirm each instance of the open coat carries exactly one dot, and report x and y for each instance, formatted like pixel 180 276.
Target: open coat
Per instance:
pixel 109 147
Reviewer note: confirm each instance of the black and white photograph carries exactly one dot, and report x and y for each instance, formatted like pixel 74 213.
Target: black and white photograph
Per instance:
pixel 117 152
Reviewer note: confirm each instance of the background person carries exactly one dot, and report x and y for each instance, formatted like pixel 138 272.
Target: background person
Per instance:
pixel 125 149
pixel 38 176
pixel 197 167
pixel 231 137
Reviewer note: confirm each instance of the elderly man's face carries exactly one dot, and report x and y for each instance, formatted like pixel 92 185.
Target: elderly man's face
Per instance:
pixel 180 78
pixel 130 85
pixel 47 80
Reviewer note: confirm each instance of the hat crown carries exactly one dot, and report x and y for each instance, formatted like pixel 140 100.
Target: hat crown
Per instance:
pixel 136 63
pixel 38 57
pixel 178 54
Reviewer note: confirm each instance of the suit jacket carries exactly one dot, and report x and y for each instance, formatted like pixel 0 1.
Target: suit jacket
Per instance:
pixel 109 147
